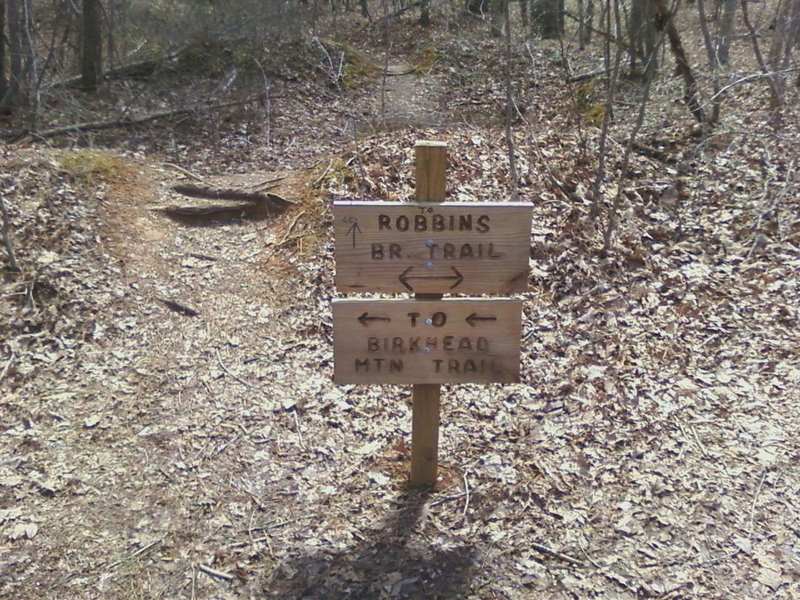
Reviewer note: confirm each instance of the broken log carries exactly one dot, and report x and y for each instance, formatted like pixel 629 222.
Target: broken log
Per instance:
pixel 214 193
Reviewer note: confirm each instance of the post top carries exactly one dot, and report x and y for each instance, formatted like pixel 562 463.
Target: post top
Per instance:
pixel 431 144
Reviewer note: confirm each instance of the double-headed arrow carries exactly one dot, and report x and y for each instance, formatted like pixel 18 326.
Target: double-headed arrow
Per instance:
pixel 474 317
pixel 365 319
pixel 456 277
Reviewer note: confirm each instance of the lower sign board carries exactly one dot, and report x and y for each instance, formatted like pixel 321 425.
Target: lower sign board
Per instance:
pixel 426 341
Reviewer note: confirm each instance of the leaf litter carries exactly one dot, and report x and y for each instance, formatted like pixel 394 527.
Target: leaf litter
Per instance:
pixel 649 452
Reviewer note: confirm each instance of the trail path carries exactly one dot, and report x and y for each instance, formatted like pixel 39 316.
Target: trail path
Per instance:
pixel 412 98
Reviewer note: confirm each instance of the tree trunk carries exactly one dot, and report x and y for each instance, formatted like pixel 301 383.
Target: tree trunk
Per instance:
pixel 643 36
pixel 784 38
pixel 665 21
pixel 588 24
pixel 15 23
pixel 498 8
pixel 549 14
pixel 425 13
pixel 3 81
pixel 91 45
pixel 726 28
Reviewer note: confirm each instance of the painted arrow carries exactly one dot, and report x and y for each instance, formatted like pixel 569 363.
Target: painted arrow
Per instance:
pixel 405 278
pixel 474 317
pixel 354 228
pixel 365 319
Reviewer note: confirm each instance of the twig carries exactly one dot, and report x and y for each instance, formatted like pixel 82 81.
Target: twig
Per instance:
pixel 7 367
pixel 299 432
pixel 324 173
pixel 753 506
pixel 466 493
pixel 236 377
pixel 555 553
pixel 186 172
pixel 291 227
pixel 700 445
pixel 214 573
pixel 139 552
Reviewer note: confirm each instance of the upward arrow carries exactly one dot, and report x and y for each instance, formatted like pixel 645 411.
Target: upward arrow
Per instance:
pixel 354 228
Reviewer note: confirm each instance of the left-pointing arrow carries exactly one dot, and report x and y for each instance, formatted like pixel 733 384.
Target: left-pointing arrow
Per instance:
pixel 354 229
pixel 365 319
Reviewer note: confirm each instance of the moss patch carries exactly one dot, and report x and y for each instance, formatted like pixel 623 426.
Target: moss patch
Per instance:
pixel 91 166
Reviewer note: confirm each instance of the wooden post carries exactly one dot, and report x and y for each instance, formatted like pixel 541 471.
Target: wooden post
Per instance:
pixel 431 165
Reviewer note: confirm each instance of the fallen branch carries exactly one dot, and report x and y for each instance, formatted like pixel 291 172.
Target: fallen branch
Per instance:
pixel 142 68
pixel 125 122
pixel 556 554
pixel 214 573
pixel 586 76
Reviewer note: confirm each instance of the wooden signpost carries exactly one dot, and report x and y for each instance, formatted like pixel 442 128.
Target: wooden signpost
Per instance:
pixel 429 248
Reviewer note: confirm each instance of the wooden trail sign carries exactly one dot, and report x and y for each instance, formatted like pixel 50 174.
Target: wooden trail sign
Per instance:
pixel 429 248
pixel 419 341
pixel 442 248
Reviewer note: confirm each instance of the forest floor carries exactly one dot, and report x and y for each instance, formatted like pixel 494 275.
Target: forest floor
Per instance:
pixel 170 428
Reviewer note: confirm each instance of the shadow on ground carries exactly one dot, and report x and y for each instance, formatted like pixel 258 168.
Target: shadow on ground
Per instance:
pixel 394 560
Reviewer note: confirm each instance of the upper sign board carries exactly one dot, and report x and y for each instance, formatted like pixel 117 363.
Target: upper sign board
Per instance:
pixel 426 341
pixel 432 248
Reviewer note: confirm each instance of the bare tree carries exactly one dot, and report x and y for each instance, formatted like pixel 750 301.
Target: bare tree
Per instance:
pixel 665 22
pixel 726 31
pixel 15 24
pixel 642 34
pixel 512 162
pixel 3 80
pixel 91 44
pixel 713 62
pixel 774 88
pixel 549 15
pixel 787 29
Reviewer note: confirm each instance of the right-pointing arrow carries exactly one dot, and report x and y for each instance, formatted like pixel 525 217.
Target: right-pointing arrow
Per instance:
pixel 474 317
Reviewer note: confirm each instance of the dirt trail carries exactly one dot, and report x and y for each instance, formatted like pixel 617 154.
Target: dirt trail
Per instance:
pixel 412 98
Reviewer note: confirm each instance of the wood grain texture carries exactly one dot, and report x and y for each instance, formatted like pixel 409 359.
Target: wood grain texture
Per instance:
pixel 443 248
pixel 431 186
pixel 427 341
pixel 431 168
